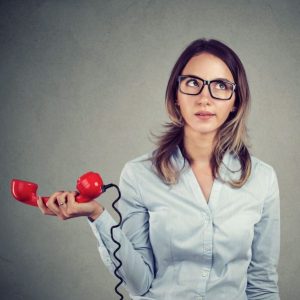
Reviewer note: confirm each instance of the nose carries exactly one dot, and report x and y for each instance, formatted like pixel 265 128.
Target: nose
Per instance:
pixel 204 97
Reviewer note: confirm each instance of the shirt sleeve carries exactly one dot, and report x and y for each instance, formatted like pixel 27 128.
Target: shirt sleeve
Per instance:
pixel 136 253
pixel 262 276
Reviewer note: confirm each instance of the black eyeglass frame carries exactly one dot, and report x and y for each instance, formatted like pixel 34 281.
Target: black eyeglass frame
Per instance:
pixel 206 82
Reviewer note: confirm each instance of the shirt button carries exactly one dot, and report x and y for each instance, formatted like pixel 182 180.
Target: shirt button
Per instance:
pixel 204 274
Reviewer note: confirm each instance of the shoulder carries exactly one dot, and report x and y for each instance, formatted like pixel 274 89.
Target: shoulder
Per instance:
pixel 139 174
pixel 138 166
pixel 263 174
pixel 262 180
pixel 260 167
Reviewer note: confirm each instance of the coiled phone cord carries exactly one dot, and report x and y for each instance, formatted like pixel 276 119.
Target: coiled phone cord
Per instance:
pixel 111 233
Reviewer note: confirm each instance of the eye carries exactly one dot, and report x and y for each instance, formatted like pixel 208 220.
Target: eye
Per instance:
pixel 192 82
pixel 222 85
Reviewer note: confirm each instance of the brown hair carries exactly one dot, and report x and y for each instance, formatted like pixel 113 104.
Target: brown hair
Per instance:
pixel 232 135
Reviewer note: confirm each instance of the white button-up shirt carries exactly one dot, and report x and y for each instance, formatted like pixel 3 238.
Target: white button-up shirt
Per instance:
pixel 175 245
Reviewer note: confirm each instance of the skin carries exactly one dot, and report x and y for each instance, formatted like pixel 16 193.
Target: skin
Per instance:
pixel 198 138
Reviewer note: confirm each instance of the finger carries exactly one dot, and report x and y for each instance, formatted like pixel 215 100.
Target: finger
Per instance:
pixel 53 197
pixel 62 199
pixel 63 203
pixel 71 198
pixel 71 208
pixel 43 208
pixel 52 203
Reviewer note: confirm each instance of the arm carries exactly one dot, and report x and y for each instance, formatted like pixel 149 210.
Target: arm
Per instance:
pixel 262 271
pixel 137 268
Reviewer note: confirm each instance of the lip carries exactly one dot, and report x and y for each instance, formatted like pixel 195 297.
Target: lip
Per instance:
pixel 204 113
pixel 204 117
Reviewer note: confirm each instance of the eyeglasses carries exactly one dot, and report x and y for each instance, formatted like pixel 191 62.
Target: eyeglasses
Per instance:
pixel 218 88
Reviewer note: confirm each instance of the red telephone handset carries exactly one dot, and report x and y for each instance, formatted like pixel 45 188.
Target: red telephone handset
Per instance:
pixel 89 186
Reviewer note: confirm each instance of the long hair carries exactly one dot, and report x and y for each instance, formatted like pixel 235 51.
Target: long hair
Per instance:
pixel 231 136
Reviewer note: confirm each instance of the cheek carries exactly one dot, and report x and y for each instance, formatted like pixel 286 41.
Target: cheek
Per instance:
pixel 185 105
pixel 224 109
pixel 224 116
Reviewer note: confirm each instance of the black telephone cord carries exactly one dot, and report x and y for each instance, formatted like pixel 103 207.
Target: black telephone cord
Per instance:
pixel 111 233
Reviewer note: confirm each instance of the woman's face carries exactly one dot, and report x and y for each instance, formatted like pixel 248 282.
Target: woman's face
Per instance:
pixel 207 67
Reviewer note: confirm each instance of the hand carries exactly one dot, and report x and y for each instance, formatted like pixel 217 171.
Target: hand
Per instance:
pixel 63 205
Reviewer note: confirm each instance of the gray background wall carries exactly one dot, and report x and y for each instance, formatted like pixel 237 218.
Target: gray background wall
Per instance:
pixel 82 84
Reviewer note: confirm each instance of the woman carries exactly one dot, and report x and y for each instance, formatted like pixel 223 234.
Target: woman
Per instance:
pixel 201 215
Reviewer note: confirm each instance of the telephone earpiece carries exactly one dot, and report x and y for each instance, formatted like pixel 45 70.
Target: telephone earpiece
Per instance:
pixel 89 186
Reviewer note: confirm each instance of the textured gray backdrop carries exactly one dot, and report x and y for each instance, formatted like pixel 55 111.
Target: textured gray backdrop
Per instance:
pixel 83 83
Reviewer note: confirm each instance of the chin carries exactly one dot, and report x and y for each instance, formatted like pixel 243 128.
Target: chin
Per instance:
pixel 202 129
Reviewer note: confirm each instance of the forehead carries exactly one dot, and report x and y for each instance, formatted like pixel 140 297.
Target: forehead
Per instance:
pixel 207 66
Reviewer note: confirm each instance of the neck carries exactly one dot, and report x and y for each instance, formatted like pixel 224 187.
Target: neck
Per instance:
pixel 198 147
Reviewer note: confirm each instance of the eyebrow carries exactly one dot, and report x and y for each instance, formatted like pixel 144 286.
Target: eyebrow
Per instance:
pixel 218 78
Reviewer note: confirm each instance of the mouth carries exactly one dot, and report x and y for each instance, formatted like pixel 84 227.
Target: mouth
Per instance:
pixel 204 115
